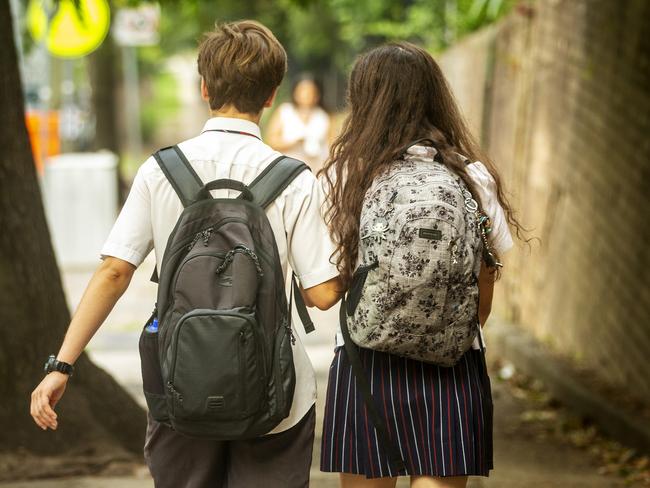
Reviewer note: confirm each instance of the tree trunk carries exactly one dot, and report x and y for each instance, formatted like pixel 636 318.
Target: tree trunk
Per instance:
pixel 103 81
pixel 97 417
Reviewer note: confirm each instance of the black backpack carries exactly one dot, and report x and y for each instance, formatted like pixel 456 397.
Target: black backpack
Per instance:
pixel 220 364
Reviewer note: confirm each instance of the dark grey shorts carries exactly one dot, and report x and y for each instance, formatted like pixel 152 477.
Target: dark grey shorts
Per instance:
pixel 278 460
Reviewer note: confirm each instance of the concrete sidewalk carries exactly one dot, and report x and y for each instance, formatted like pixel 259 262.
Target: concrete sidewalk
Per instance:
pixel 521 460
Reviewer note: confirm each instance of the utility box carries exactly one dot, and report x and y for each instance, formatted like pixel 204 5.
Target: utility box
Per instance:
pixel 80 195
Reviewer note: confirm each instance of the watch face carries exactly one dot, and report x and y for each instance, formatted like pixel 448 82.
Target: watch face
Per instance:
pixel 49 364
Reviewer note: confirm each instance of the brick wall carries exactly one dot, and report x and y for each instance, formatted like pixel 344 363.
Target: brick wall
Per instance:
pixel 559 94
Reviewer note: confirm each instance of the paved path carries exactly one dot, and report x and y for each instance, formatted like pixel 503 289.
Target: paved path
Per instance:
pixel 520 459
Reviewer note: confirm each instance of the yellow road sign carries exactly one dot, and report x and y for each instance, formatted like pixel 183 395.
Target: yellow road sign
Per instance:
pixel 73 32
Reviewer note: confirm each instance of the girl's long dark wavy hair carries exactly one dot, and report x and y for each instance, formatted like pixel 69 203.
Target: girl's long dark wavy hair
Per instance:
pixel 397 95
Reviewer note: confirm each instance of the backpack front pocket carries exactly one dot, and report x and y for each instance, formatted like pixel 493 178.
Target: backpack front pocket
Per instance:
pixel 217 366
pixel 422 266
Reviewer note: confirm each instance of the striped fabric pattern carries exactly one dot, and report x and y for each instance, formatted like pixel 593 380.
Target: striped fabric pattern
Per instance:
pixel 440 418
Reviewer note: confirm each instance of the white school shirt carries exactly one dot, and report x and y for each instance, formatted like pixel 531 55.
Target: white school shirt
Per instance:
pixel 152 209
pixel 500 238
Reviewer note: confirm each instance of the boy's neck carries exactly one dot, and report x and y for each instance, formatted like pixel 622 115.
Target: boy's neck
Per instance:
pixel 233 113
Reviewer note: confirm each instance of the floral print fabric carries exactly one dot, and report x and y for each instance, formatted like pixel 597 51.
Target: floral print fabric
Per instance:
pixel 420 299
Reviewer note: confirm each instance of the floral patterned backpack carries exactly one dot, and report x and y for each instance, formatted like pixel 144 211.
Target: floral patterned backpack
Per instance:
pixel 415 292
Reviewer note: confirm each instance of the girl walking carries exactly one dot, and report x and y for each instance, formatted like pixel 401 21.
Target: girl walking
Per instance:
pixel 403 121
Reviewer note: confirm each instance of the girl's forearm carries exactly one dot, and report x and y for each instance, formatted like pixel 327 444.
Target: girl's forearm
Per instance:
pixel 485 292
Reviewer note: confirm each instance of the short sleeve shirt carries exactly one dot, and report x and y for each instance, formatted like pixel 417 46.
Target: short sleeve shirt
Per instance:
pixel 152 209
pixel 500 238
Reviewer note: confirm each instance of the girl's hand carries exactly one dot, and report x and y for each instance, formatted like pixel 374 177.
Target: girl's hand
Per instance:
pixel 45 397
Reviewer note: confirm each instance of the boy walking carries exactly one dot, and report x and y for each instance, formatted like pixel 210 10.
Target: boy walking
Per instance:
pixel 241 65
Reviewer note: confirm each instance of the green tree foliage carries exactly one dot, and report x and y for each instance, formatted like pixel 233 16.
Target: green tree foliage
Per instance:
pixel 433 23
pixel 323 32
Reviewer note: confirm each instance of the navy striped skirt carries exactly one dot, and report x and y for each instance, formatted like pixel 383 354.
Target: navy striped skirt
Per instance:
pixel 439 418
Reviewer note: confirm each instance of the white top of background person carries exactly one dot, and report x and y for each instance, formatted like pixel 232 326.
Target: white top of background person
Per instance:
pixel 301 128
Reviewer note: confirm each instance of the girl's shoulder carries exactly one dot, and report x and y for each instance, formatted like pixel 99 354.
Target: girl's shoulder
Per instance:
pixel 481 176
pixel 486 186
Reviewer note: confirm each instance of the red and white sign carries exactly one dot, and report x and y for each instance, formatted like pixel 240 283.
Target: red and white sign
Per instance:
pixel 137 26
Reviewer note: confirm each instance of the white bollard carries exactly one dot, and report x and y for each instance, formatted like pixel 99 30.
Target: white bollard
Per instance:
pixel 80 196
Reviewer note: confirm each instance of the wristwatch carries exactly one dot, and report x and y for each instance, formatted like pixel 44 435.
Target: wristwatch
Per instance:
pixel 53 364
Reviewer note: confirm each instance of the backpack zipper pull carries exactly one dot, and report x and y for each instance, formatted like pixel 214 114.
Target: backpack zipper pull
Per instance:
pixel 253 257
pixel 206 236
pixel 291 336
pixel 194 241
pixel 287 325
pixel 174 391
pixel 227 259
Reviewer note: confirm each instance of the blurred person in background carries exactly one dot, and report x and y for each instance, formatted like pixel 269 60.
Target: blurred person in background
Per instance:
pixel 301 128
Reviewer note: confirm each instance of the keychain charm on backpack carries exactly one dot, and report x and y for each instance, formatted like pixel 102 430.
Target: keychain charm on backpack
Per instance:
pixel 377 230
pixel 470 204
pixel 453 248
pixel 485 227
pixel 380 225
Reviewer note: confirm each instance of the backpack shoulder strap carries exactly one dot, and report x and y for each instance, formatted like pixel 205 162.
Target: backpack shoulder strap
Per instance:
pixel 296 297
pixel 387 443
pixel 180 174
pixel 275 178
pixel 268 185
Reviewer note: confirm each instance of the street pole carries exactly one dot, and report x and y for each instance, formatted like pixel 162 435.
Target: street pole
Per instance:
pixel 132 100
pixel 17 13
pixel 45 90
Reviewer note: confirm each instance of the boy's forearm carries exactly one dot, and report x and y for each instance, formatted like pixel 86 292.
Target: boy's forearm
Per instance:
pixel 102 293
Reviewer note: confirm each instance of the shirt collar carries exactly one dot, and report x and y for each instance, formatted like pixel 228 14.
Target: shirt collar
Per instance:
pixel 228 123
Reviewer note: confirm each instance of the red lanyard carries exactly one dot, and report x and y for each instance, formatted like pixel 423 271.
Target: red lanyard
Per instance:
pixel 233 132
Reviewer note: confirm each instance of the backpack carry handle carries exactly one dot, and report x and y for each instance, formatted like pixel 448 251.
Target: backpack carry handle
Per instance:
pixel 228 184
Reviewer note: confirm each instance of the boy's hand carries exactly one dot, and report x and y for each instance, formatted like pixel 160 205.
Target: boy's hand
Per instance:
pixel 108 283
pixel 45 397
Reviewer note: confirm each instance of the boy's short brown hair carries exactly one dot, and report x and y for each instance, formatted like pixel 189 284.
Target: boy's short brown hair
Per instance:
pixel 241 63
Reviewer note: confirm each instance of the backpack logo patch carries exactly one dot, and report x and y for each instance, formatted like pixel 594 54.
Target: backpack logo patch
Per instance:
pixel 224 280
pixel 431 234
pixel 216 403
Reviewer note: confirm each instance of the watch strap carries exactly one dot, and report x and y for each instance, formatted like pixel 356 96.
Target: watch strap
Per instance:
pixel 54 364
